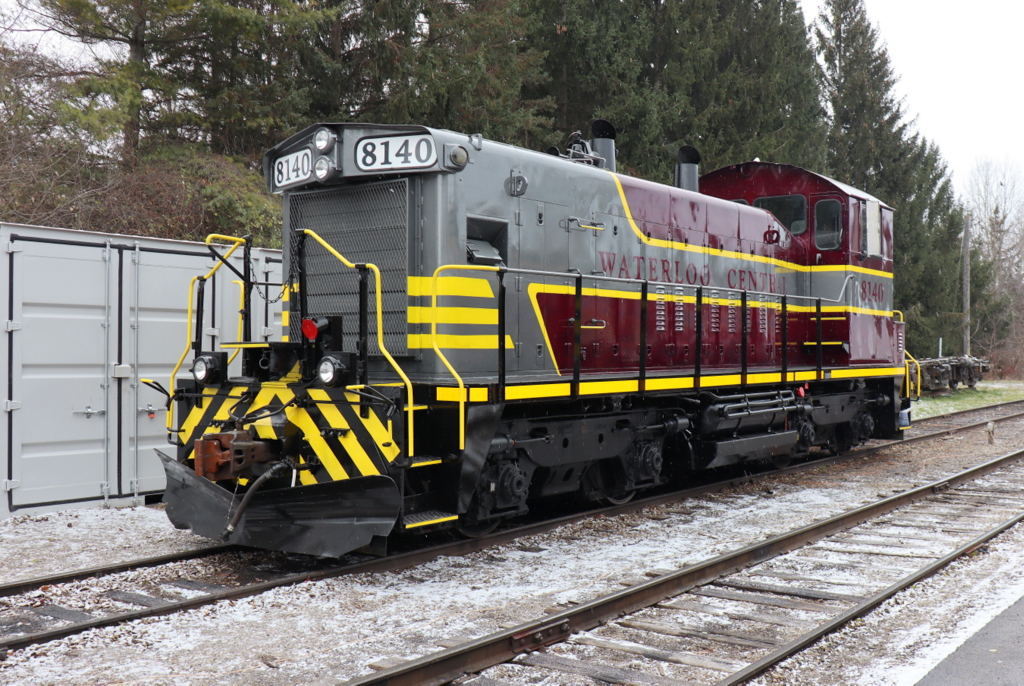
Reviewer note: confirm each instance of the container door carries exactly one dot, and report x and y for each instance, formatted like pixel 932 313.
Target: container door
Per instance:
pixel 155 295
pixel 60 328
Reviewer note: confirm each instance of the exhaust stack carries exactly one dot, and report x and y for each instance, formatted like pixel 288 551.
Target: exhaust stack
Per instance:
pixel 686 176
pixel 603 142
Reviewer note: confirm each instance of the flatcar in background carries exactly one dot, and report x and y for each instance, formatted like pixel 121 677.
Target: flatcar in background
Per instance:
pixel 471 327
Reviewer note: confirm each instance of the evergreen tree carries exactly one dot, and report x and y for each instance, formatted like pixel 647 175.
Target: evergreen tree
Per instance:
pixel 763 97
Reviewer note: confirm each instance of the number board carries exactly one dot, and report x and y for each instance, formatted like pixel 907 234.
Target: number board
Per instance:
pixel 388 153
pixel 293 169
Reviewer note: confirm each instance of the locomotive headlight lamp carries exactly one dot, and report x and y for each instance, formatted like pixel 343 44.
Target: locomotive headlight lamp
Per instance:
pixel 458 156
pixel 205 369
pixel 323 167
pixel 323 139
pixel 330 370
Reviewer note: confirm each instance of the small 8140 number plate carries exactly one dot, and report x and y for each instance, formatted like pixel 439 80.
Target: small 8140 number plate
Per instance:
pixel 390 153
pixel 293 169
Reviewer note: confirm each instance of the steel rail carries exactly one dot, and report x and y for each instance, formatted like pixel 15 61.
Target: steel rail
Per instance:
pixel 402 560
pixel 26 585
pixel 502 646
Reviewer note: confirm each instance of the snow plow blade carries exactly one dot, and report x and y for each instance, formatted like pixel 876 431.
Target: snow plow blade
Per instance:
pixel 327 520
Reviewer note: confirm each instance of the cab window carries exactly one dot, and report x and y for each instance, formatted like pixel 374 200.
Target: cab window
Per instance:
pixel 828 224
pixel 790 210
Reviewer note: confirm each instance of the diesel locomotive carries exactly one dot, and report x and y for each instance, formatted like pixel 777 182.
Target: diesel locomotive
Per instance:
pixel 469 327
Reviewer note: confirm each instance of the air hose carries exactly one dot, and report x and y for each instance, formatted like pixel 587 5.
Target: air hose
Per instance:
pixel 247 498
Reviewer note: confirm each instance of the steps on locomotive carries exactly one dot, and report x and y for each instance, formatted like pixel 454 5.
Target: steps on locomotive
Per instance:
pixel 427 518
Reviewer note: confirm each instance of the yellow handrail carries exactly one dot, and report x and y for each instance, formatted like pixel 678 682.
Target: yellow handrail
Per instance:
pixel 437 348
pixel 899 313
pixel 380 330
pixel 188 327
pixel 907 373
pixel 241 317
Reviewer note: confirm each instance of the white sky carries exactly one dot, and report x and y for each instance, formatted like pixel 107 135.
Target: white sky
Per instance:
pixel 959 69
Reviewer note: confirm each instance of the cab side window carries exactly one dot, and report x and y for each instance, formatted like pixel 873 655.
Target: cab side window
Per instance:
pixel 828 224
pixel 791 210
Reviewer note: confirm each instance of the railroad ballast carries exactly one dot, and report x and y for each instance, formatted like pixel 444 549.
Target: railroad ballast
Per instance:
pixel 470 327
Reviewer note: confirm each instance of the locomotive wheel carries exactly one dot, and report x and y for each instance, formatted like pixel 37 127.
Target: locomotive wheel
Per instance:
pixel 476 529
pixel 622 500
pixel 782 461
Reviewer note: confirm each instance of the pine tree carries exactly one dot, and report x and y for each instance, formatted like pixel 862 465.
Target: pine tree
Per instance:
pixel 763 97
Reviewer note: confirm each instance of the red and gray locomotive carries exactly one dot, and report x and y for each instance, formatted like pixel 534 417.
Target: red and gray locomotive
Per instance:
pixel 470 327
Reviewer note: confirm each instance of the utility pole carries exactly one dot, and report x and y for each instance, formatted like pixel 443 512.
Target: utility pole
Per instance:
pixel 967 286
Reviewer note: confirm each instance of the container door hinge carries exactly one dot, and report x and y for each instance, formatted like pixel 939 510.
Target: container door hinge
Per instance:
pixel 13 247
pixel 11 405
pixel 12 326
pixel 121 371
pixel 11 485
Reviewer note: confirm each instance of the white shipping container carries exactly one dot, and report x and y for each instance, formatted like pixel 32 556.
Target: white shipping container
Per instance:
pixel 86 316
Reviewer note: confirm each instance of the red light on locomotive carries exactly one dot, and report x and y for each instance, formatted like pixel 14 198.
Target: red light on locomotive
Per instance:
pixel 310 329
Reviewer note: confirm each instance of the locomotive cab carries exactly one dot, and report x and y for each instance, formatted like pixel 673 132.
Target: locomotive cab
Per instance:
pixel 843 238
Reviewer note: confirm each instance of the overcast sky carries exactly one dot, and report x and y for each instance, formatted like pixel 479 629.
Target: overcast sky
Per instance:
pixel 959 65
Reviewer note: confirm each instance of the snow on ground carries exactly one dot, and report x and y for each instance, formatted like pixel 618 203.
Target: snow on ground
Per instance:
pixel 326 631
pixel 38 545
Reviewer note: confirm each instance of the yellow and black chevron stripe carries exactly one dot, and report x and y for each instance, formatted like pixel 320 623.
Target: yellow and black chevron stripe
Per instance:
pixel 329 422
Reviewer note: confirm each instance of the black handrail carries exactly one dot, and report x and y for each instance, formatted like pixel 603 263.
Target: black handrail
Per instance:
pixel 744 335
pixel 642 385
pixel 817 311
pixel 363 342
pixel 577 335
pixel 785 339
pixel 197 345
pixel 700 336
pixel 501 338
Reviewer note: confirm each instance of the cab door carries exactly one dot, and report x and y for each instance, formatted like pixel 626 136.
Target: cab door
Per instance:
pixel 831 279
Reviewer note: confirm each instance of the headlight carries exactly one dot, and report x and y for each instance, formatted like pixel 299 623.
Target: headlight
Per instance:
pixel 323 167
pixel 459 156
pixel 323 139
pixel 205 369
pixel 330 371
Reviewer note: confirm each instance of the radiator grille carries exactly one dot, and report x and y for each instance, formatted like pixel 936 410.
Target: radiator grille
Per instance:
pixel 365 223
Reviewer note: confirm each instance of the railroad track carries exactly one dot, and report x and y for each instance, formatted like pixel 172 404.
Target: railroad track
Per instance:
pixel 30 615
pixel 966 419
pixel 728 619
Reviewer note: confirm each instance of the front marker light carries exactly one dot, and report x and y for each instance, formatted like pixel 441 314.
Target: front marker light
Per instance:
pixel 323 139
pixel 323 167
pixel 330 370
